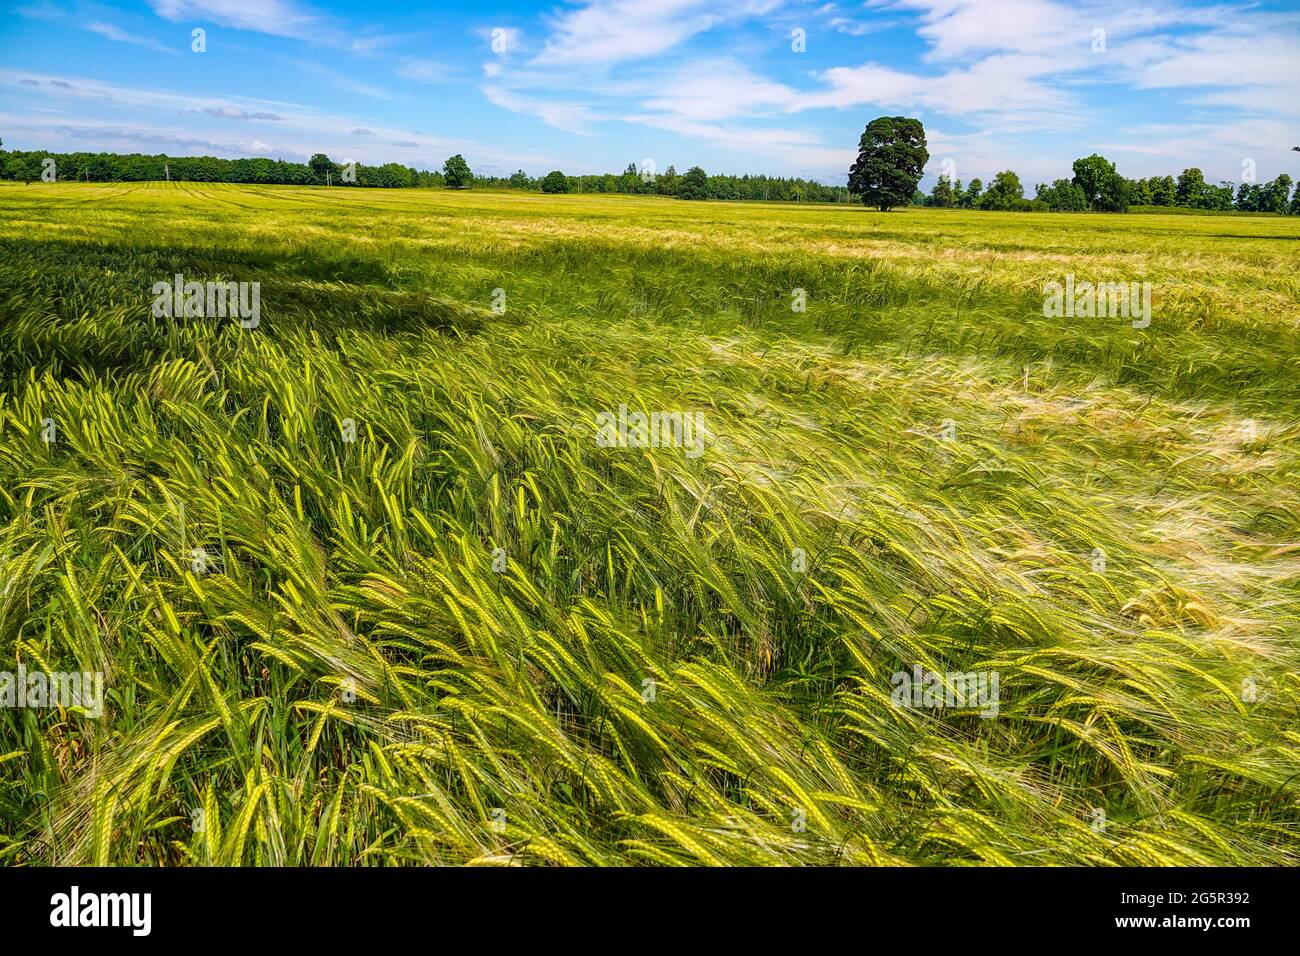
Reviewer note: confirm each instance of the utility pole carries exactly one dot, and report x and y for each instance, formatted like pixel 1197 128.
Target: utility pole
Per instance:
pixel 167 172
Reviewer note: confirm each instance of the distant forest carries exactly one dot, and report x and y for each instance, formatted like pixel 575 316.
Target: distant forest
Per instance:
pixel 321 170
pixel 1095 186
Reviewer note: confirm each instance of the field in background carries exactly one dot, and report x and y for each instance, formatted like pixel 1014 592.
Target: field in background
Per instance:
pixel 474 635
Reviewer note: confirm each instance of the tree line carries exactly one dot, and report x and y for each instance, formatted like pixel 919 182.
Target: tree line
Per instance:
pixel 1097 187
pixel 320 170
pixel 892 155
pixel 28 166
pixel 695 183
pixel 891 160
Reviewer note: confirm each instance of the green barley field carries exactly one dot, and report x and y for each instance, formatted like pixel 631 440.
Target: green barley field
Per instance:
pixel 364 587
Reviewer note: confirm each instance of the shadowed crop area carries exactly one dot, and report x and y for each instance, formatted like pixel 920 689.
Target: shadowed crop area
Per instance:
pixel 367 583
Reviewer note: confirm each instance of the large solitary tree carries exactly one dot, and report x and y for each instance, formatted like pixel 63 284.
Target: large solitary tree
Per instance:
pixel 891 158
pixel 456 172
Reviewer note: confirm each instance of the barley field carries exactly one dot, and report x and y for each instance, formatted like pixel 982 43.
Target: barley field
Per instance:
pixel 365 587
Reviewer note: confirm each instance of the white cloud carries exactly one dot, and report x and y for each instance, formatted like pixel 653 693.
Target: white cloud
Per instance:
pixel 610 31
pixel 276 17
pixel 957 28
pixel 793 147
pixel 716 89
pixel 340 81
pixel 88 16
pixel 1217 148
pixel 855 28
pixel 376 43
pixel 571 117
pixel 1002 92
pixel 422 71
pixel 1253 61
pixel 110 32
pixel 112 95
pixel 230 112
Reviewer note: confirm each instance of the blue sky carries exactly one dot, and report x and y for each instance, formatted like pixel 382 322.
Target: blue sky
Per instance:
pixel 591 86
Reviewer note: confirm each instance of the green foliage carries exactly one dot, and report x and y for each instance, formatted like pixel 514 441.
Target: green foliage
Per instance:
pixel 1273 196
pixel 22 168
pixel 694 185
pixel 1063 196
pixel 943 195
pixel 1139 192
pixel 1248 197
pixel 1114 194
pixel 1005 193
pixel 1103 189
pixel 456 172
pixel 1090 176
pixel 555 182
pixel 1191 187
pixel 322 166
pixel 1163 191
pixel 1218 197
pixel 667 183
pixel 116 167
pixel 891 158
